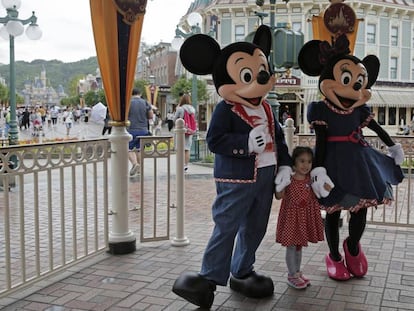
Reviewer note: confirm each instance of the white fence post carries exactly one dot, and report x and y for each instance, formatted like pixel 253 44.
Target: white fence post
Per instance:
pixel 180 239
pixel 121 239
pixel 289 132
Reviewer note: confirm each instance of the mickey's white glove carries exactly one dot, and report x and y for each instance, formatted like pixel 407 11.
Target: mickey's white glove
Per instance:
pixel 283 177
pixel 321 183
pixel 257 139
pixel 397 153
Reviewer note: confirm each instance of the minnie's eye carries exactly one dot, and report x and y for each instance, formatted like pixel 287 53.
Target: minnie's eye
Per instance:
pixel 246 75
pixel 346 78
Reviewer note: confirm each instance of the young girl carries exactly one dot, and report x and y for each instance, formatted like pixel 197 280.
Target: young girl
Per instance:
pixel 299 219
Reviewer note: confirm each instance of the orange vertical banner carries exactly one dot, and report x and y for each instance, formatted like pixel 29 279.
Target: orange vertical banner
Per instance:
pixel 117 26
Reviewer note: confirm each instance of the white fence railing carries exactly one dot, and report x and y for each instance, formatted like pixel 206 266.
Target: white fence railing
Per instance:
pixel 53 208
pixel 400 212
pixel 54 202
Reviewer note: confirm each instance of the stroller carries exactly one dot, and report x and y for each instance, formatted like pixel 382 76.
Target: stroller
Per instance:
pixel 37 128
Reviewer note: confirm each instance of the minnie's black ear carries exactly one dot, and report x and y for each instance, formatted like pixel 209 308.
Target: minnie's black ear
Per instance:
pixel 263 38
pixel 198 54
pixel 308 58
pixel 372 64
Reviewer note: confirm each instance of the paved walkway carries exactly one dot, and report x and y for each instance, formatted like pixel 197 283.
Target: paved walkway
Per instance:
pixel 143 280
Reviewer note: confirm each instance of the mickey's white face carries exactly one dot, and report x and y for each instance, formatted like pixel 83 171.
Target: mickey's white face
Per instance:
pixel 250 74
pixel 348 88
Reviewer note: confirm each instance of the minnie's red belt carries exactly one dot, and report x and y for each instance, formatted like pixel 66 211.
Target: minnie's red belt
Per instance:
pixel 355 137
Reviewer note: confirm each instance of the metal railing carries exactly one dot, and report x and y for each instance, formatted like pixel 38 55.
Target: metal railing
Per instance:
pixel 400 213
pixel 55 201
pixel 53 208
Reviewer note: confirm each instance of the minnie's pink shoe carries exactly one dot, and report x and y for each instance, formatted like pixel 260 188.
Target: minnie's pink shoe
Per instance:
pixel 336 269
pixel 357 265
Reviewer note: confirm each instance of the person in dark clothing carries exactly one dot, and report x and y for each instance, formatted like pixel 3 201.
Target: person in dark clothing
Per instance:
pixel 25 119
pixel 107 127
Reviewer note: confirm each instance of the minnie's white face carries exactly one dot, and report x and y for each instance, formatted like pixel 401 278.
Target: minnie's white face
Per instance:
pixel 348 88
pixel 244 69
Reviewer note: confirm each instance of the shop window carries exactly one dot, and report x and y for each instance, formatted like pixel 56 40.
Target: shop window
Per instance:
pixel 392 116
pixel 402 115
pixel 381 115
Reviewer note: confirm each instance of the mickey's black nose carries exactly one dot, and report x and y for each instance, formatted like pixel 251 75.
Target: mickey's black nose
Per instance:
pixel 357 86
pixel 263 77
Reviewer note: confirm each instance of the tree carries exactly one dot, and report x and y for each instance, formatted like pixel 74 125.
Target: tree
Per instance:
pixel 140 85
pixel 4 94
pixel 73 85
pixel 184 85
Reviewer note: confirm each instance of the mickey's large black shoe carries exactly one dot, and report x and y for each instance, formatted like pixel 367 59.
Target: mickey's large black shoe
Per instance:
pixel 196 289
pixel 253 285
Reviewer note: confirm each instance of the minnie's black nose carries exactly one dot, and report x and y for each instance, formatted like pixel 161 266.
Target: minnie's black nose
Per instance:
pixel 263 77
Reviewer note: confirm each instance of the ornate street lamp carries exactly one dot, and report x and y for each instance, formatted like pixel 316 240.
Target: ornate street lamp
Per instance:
pixel 194 19
pixel 272 97
pixel 12 27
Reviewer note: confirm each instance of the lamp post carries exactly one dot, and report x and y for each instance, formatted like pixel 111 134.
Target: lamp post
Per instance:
pixel 194 19
pixel 12 27
pixel 272 97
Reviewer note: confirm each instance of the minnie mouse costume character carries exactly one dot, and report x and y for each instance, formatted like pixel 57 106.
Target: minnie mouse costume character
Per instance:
pixel 249 144
pixel 348 173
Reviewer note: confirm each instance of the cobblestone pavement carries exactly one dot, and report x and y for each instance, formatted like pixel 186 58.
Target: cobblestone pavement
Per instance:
pixel 143 280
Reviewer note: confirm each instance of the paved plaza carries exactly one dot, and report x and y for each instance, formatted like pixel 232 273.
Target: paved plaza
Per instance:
pixel 143 280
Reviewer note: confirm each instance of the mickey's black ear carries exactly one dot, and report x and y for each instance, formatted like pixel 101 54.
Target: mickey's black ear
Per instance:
pixel 263 38
pixel 308 58
pixel 198 54
pixel 372 64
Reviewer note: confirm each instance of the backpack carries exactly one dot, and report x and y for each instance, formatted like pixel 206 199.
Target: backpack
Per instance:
pixel 189 123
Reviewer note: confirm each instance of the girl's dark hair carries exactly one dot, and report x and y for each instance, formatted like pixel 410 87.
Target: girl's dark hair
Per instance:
pixel 299 151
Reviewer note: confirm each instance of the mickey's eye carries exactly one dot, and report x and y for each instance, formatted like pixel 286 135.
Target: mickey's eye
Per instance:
pixel 246 75
pixel 346 78
pixel 361 79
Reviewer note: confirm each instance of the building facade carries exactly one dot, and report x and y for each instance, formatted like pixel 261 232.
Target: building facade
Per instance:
pixel 385 29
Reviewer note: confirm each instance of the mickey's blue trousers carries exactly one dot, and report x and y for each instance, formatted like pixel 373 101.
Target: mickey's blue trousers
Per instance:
pixel 241 214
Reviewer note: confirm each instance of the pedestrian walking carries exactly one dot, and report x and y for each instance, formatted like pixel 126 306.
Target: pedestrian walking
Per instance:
pixel 107 128
pixel 140 112
pixel 68 117
pixel 183 107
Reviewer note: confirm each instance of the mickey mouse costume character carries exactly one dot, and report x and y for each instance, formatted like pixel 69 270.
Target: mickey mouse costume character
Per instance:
pixel 348 173
pixel 249 145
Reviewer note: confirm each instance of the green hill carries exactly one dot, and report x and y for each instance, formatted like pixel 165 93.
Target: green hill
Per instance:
pixel 57 72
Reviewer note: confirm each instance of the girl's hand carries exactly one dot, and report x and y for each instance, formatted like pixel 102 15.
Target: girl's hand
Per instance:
pixel 279 195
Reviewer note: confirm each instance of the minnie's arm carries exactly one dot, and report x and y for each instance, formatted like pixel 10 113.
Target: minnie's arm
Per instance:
pixel 382 134
pixel 396 151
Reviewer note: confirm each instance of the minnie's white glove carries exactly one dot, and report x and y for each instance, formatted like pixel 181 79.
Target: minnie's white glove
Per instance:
pixel 321 183
pixel 397 153
pixel 257 139
pixel 283 177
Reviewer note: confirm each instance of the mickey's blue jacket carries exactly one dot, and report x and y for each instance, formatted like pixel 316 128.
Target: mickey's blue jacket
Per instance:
pixel 228 139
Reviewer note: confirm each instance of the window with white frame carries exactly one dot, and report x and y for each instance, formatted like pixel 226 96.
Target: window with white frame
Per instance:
pixel 412 69
pixel 239 33
pixel 394 35
pixel 371 33
pixel 297 26
pixel 393 67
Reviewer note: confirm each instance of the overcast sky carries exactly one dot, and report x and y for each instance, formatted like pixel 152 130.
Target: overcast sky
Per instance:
pixel 67 28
